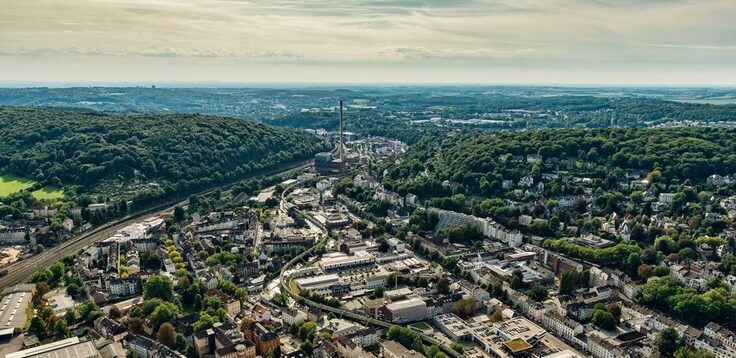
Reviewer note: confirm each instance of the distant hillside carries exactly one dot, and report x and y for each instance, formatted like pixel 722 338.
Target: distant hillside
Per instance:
pixel 190 151
pixel 387 108
pixel 472 160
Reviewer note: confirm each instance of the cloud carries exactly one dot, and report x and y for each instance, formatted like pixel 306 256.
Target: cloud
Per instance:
pixel 149 52
pixel 420 53
pixel 693 47
pixel 484 35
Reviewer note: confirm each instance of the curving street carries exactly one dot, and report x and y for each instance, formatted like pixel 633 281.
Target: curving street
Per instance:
pixel 283 283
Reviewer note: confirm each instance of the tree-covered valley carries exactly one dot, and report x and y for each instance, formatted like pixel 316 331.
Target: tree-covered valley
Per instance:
pixel 186 150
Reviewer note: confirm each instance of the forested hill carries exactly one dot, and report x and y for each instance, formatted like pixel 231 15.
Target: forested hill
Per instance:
pixel 191 151
pixel 477 163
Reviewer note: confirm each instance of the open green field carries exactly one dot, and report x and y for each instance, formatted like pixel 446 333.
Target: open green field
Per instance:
pixel 421 326
pixel 48 193
pixel 10 184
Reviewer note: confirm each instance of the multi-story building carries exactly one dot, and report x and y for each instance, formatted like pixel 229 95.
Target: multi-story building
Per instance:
pixel 337 327
pixel 391 349
pixel 597 277
pixel 494 230
pixel 142 346
pixel 562 327
pixel 599 347
pixel 348 348
pixel 122 287
pixel 144 244
pixel 289 238
pixel 717 340
pixel 562 264
pixel 223 341
pixel 13 235
pixel 231 303
pixel 292 315
pixel 717 180
pixel 410 310
pixel 110 329
pixel 365 337
pixel 265 340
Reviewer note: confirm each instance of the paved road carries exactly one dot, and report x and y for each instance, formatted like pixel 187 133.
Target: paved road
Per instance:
pixel 368 321
pixel 21 271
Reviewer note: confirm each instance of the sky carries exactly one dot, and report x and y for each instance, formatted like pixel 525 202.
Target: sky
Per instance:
pixel 634 42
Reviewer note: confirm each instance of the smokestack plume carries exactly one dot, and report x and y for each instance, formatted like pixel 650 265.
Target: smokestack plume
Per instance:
pixel 342 143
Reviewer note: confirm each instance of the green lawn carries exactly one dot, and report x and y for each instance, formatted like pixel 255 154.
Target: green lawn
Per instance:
pixel 421 326
pixel 48 193
pixel 293 286
pixel 10 184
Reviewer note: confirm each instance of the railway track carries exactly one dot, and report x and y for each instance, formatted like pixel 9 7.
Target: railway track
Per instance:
pixel 21 271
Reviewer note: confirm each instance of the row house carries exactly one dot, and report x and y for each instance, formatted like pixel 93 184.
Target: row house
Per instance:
pixel 650 322
pixel 14 235
pixel 527 305
pixel 349 348
pixel 442 305
pixel 563 327
pixel 365 337
pixel 713 347
pixel 723 336
pixel 599 347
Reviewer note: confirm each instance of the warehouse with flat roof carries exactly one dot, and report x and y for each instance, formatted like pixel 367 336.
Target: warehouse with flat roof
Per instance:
pixel 70 347
pixel 316 283
pixel 14 308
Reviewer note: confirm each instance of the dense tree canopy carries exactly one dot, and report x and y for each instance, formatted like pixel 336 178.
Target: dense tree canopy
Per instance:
pixel 472 160
pixel 158 287
pixel 668 341
pixel 612 256
pixel 716 305
pixel 79 147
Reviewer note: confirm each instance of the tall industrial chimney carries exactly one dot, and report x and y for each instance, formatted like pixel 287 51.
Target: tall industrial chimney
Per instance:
pixel 342 143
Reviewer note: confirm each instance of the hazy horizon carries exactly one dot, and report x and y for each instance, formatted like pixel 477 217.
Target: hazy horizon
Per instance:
pixel 678 43
pixel 306 84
